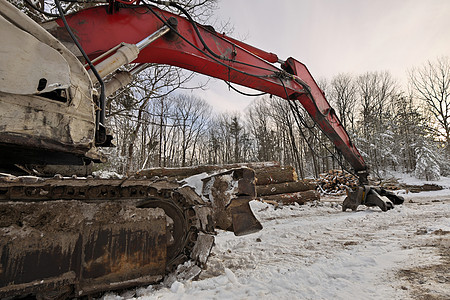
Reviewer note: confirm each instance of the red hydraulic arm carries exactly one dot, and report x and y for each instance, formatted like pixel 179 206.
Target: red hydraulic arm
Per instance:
pixel 200 49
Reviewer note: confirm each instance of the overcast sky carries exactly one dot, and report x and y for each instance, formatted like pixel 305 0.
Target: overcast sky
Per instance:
pixel 332 37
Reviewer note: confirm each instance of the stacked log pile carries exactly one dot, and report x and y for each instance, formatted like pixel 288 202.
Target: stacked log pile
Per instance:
pixel 274 183
pixel 280 185
pixel 336 181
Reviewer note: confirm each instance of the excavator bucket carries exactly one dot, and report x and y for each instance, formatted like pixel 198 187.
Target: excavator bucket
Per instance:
pixel 230 193
pixel 244 221
pixel 371 196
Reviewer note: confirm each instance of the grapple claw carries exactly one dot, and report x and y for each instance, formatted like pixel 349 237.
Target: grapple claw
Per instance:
pixel 374 199
pixel 390 195
pixel 244 221
pixel 370 196
pixel 355 198
pixel 230 193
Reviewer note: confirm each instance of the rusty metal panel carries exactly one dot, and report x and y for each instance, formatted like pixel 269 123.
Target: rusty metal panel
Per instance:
pixel 32 264
pixel 115 254
pixel 34 63
pixel 79 248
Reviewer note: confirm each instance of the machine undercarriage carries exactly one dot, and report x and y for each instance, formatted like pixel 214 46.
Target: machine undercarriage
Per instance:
pixel 70 237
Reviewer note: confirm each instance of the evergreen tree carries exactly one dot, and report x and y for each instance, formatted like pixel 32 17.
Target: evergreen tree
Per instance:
pixel 427 166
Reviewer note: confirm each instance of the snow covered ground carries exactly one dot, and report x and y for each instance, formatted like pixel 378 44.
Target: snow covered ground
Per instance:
pixel 316 251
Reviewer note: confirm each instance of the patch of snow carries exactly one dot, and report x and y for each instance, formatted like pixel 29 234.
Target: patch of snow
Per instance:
pixel 107 175
pixel 231 277
pixel 177 288
pixel 232 187
pixel 196 182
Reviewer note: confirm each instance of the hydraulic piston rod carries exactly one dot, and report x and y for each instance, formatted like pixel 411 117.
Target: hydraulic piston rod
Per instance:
pixel 121 79
pixel 126 54
pixel 153 37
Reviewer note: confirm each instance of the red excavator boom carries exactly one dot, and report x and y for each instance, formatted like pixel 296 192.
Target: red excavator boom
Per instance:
pixel 199 48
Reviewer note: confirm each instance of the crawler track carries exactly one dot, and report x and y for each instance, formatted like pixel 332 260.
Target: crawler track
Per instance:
pixel 64 237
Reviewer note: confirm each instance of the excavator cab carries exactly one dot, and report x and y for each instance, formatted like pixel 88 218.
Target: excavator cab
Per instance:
pixel 47 108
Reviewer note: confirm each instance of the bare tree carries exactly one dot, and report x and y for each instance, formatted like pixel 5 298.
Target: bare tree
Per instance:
pixel 343 94
pixel 192 114
pixel 262 127
pixel 431 84
pixel 200 10
pixel 376 91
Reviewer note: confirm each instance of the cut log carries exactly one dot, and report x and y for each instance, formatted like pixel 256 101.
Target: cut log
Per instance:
pixel 272 175
pixel 290 198
pixel 183 172
pixel 423 188
pixel 286 187
pixel 261 164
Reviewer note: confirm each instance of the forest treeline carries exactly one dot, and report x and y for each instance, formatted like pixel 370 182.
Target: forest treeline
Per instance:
pixel 394 129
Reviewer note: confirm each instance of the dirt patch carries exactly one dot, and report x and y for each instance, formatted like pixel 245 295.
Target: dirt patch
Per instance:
pixel 430 282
